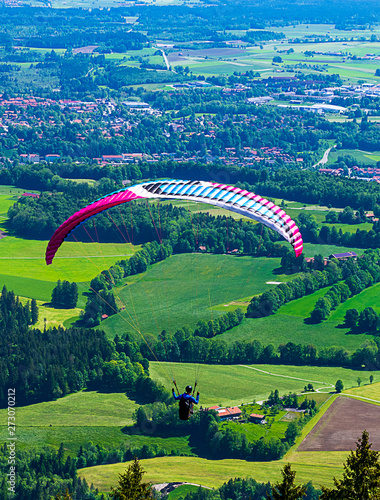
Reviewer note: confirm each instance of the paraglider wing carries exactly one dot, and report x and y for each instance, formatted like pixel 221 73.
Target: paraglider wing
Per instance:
pixel 231 198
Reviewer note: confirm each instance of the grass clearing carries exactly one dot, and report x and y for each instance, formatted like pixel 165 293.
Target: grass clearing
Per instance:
pixel 288 324
pixel 213 473
pixel 74 261
pixel 367 391
pixel 51 317
pixel 80 418
pixel 163 298
pixel 181 491
pixel 228 385
pixel 366 157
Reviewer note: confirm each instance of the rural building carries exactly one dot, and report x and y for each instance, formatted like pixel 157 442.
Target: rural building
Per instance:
pixel 327 108
pixel 229 413
pixel 260 100
pixel 30 195
pixel 50 158
pixel 112 158
pixel 29 158
pixel 343 256
pixel 256 418
pixel 225 413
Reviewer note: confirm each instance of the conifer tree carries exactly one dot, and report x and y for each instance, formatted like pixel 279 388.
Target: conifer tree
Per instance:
pixel 287 490
pixel 34 312
pixel 131 486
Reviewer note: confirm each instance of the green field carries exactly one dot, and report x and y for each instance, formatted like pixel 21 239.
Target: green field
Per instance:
pixel 186 287
pixel 23 268
pixel 288 324
pixel 182 491
pixel 81 418
pixel 236 384
pixel 366 157
pixel 367 390
pixel 209 62
pixel 310 466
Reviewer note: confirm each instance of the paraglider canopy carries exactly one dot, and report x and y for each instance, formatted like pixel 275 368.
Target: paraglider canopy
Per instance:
pixel 228 197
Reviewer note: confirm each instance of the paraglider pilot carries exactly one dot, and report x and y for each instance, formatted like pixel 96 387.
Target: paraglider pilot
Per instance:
pixel 186 402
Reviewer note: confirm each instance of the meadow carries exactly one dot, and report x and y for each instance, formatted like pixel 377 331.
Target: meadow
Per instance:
pixel 229 385
pixel 161 298
pixel 23 268
pixel 365 157
pixel 164 298
pixel 288 323
pixel 310 466
pixel 80 418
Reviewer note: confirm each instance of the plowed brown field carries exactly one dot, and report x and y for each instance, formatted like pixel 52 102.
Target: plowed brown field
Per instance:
pixel 342 425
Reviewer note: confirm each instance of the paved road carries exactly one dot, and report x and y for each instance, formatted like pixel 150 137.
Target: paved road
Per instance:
pixel 325 157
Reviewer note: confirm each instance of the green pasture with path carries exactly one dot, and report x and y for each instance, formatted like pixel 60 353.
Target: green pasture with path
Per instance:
pixel 230 385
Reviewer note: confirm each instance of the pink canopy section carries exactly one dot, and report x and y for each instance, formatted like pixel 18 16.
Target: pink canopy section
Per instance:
pixel 70 224
pixel 230 198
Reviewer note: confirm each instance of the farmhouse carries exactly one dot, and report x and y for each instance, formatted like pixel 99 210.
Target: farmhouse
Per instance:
pixel 232 413
pixel 30 195
pixel 256 418
pixel 229 413
pixel 112 158
pixel 343 256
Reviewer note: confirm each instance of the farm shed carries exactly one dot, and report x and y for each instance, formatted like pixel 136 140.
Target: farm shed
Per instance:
pixel 256 418
pixel 343 256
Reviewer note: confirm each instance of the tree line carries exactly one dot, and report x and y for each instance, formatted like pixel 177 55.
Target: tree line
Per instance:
pixel 185 347
pixel 305 186
pixel 358 274
pixel 331 236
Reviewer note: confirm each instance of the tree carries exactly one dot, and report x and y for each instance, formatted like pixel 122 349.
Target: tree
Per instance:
pixel 131 486
pixel 359 381
pixel 339 386
pixel 351 318
pixel 287 490
pixel 34 311
pixel 321 311
pixel 66 497
pixel 361 474
pixel 291 433
pixel 368 320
